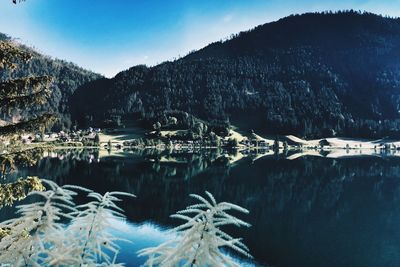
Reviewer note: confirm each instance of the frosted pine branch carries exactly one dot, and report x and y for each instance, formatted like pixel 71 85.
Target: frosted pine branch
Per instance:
pixel 89 228
pixel 199 240
pixel 53 231
pixel 32 233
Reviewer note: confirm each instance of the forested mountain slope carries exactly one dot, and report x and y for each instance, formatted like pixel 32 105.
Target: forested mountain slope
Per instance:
pixel 311 75
pixel 66 78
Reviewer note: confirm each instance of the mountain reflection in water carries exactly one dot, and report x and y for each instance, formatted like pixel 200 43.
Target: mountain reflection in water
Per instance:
pixel 304 211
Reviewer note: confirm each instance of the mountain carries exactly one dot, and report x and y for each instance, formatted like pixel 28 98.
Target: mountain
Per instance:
pixel 67 78
pixel 316 74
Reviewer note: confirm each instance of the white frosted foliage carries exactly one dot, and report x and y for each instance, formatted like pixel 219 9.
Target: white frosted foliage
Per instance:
pixel 200 239
pixel 53 231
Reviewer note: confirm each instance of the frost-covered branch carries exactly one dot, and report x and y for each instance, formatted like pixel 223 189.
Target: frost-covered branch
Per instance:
pixel 26 237
pixel 199 239
pixel 89 228
pixel 53 231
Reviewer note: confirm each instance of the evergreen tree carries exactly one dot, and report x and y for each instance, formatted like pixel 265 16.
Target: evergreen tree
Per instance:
pixel 23 92
pixel 16 95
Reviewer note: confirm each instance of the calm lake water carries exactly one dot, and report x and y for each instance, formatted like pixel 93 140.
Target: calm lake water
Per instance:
pixel 308 211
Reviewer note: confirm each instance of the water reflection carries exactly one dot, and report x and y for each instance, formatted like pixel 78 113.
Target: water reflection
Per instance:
pixel 306 211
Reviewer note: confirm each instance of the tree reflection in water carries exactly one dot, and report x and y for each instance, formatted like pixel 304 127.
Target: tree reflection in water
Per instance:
pixel 305 212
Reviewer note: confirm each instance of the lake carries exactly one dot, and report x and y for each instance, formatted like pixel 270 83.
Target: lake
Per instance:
pixel 305 211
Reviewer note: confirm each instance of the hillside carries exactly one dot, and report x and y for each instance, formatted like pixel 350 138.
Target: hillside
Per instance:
pixel 67 77
pixel 310 75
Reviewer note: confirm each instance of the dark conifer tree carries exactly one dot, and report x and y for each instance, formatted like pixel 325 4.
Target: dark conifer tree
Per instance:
pixel 21 93
pixel 18 94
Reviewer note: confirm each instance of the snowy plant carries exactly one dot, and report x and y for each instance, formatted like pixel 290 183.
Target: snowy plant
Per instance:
pixel 55 232
pixel 93 243
pixel 199 240
pixel 26 237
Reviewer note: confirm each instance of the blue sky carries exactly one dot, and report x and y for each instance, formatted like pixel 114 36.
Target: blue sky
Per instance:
pixel 108 36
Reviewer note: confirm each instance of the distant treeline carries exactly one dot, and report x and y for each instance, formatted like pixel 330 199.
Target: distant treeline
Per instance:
pixel 317 74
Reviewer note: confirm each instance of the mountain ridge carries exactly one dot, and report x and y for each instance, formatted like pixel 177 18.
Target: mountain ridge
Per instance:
pixel 313 74
pixel 67 77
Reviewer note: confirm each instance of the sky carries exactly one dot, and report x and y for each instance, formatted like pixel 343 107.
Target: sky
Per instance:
pixel 108 36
